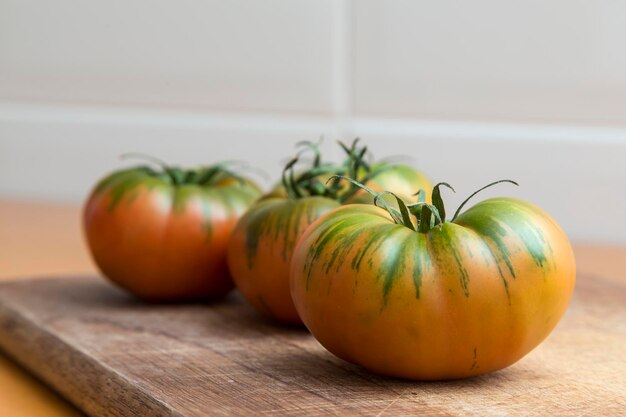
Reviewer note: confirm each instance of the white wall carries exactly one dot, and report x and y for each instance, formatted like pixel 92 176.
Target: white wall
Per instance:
pixel 476 91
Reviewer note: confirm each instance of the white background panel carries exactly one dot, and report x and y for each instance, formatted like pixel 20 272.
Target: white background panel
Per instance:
pixel 233 55
pixel 578 184
pixel 556 61
pixel 59 153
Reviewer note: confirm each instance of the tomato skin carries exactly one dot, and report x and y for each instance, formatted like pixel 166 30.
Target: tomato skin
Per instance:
pixel 403 180
pixel 260 249
pixel 463 299
pixel 164 242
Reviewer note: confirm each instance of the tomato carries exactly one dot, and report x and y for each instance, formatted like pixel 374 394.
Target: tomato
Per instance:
pixel 402 180
pixel 260 248
pixel 162 235
pixel 445 299
pixel 260 251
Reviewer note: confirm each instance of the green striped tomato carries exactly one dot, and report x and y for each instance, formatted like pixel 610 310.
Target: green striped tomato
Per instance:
pixel 449 300
pixel 260 250
pixel 163 234
pixel 402 180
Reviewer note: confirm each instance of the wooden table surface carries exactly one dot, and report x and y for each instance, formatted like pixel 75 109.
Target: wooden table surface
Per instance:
pixel 37 240
pixel 43 239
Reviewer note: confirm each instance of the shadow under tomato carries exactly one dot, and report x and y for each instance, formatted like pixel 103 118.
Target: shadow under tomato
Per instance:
pixel 316 368
pixel 97 291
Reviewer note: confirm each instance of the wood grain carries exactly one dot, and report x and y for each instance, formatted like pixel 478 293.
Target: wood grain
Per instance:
pixel 114 356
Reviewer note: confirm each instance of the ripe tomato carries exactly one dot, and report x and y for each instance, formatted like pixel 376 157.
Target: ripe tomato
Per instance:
pixel 400 179
pixel 448 299
pixel 260 251
pixel 260 248
pixel 162 235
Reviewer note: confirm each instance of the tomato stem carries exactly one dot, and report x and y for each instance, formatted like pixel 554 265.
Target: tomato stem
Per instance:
pixel 178 176
pixel 175 175
pixel 315 148
pixel 308 182
pixel 438 201
pixel 402 216
pixel 458 211
pixel 427 215
pixel 288 179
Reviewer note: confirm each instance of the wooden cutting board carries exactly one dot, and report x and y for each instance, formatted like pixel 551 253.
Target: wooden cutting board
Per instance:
pixel 114 356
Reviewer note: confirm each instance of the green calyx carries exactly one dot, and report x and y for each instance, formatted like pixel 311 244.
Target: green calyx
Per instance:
pixel 311 181
pixel 176 176
pixel 427 215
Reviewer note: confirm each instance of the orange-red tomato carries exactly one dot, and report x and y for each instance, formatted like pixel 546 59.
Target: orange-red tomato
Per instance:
pixel 450 299
pixel 163 235
pixel 260 251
